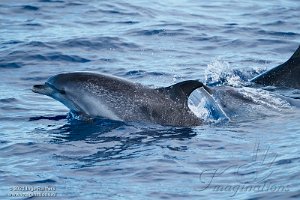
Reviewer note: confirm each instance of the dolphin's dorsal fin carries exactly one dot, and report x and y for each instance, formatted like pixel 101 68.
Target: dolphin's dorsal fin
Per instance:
pixel 284 75
pixel 181 91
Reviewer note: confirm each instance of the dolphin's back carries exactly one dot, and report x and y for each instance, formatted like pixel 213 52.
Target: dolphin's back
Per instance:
pixel 284 75
pixel 60 80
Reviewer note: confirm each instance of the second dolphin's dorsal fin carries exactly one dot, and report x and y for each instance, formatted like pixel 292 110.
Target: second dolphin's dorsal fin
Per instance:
pixel 182 90
pixel 284 75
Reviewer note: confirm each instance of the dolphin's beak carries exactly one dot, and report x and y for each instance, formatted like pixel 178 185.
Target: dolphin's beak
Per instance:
pixel 59 95
pixel 42 89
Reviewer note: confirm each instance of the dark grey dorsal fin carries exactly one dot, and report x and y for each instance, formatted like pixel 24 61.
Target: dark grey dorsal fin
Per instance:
pixel 181 91
pixel 284 75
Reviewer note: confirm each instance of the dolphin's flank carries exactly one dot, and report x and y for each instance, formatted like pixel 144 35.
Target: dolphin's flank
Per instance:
pixel 100 95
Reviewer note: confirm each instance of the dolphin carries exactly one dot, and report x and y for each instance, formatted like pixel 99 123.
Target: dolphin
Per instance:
pixel 284 75
pixel 251 102
pixel 100 95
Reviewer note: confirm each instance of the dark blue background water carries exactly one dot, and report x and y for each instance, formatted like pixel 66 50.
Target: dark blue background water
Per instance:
pixel 155 43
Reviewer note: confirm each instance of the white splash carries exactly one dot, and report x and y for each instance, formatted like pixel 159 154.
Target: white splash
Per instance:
pixel 265 98
pixel 221 71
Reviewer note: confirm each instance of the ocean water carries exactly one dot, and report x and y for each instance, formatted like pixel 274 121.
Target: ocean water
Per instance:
pixel 156 43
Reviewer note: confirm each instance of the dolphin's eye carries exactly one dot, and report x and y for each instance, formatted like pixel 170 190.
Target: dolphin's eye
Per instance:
pixel 62 91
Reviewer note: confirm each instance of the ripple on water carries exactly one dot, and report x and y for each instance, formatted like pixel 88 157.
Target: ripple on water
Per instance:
pixel 35 56
pixel 160 32
pixel 41 181
pixel 57 56
pixel 30 8
pixel 38 44
pixel 10 65
pixel 8 100
pixel 98 43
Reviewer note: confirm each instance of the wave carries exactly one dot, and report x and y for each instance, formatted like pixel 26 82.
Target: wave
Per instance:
pixel 8 100
pixel 51 1
pixel 143 73
pixel 12 65
pixel 97 43
pixel 31 56
pixel 12 42
pixel 277 33
pixel 42 181
pixel 57 57
pixel 93 43
pixel 38 44
pixel 205 37
pixel 160 32
pixel 30 8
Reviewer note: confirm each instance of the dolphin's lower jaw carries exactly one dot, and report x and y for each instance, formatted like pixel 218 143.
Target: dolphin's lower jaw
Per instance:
pixel 42 89
pixel 50 91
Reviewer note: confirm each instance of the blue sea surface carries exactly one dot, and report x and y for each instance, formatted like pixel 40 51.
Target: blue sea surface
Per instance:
pixel 156 43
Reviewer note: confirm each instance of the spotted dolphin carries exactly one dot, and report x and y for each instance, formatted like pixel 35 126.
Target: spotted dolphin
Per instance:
pixel 251 102
pixel 284 75
pixel 101 95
